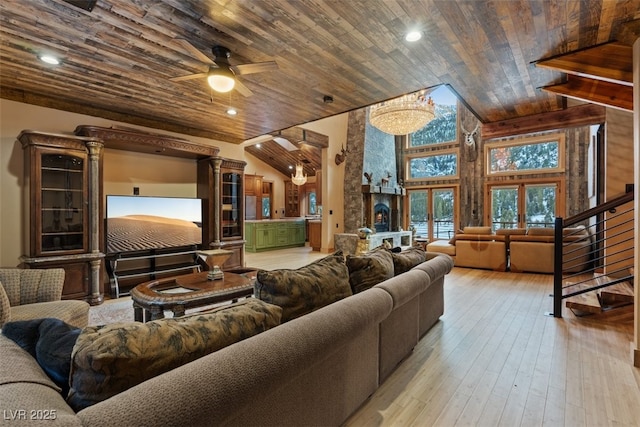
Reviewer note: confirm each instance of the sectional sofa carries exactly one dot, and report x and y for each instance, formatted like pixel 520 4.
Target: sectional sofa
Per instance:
pixel 315 368
pixel 517 249
pixel 475 247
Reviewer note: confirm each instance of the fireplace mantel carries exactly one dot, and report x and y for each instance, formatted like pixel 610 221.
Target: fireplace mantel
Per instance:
pixel 378 189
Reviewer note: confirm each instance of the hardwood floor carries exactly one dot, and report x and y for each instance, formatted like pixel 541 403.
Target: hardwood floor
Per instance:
pixel 282 258
pixel 495 359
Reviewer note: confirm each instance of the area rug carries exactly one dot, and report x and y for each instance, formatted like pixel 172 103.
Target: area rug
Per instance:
pixel 121 310
pixel 111 311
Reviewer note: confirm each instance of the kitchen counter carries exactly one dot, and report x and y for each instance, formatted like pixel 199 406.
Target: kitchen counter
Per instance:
pixel 269 234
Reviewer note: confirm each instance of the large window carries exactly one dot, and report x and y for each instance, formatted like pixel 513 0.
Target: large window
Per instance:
pixel 532 155
pixel 443 127
pixel 524 205
pixel 433 166
pixel 432 212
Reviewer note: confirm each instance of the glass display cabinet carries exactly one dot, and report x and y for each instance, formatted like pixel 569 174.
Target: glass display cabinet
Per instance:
pixel 220 186
pixel 62 195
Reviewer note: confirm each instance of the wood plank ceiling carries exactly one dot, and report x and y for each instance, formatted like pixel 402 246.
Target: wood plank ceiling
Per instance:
pixel 118 59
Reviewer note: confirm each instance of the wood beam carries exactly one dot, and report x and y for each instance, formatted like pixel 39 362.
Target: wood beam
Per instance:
pixel 580 115
pixel 611 62
pixel 298 135
pixel 595 91
pixel 124 117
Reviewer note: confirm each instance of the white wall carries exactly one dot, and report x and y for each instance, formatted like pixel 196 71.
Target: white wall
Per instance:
pixel 332 177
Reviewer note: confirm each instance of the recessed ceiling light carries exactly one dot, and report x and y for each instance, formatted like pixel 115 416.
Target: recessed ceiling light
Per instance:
pixel 413 36
pixel 52 60
pixel 232 111
pixel 258 145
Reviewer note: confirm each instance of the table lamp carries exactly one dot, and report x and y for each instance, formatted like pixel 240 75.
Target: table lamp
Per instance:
pixel 215 258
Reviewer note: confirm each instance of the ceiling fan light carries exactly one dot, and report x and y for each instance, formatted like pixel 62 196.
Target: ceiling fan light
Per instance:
pixel 221 79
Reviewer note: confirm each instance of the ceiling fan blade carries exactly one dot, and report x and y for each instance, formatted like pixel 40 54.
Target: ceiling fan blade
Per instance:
pixel 193 50
pixel 242 88
pixel 255 67
pixel 188 77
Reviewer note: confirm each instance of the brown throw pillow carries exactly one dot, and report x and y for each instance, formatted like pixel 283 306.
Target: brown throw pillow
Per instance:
pixel 407 259
pixel 305 289
pixel 369 269
pixel 107 360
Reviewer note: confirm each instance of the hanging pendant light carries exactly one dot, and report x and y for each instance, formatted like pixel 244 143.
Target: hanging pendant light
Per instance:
pixel 299 178
pixel 401 116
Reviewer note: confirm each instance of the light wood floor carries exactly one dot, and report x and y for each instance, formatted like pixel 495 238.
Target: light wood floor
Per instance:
pixel 495 359
pixel 282 258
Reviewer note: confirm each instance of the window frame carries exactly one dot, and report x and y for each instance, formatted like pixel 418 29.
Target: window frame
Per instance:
pixel 554 137
pixel 432 153
pixel 521 185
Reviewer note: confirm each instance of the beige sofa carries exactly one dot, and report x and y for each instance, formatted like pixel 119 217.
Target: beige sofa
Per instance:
pixel 316 369
pixel 534 251
pixel 35 293
pixel 475 247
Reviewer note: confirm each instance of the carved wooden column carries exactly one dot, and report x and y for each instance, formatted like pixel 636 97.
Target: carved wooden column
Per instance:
pixel 95 155
pixel 216 196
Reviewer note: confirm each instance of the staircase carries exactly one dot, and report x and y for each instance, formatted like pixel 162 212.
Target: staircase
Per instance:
pixel 613 303
pixel 602 287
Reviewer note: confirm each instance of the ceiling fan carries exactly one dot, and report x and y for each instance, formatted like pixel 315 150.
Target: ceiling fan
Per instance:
pixel 222 76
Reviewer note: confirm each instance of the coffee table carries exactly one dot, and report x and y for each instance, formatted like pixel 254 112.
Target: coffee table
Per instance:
pixel 151 299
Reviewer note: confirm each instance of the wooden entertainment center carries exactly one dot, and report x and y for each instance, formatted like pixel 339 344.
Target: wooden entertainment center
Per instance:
pixel 65 200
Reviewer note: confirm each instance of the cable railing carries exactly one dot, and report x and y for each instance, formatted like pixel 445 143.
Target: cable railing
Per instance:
pixel 593 250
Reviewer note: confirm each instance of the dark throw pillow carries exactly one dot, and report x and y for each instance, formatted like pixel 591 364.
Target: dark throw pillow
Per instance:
pixel 308 288
pixel 110 359
pixel 369 269
pixel 407 259
pixel 50 342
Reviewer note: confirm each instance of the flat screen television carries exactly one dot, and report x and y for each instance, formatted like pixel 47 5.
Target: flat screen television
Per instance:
pixel 139 223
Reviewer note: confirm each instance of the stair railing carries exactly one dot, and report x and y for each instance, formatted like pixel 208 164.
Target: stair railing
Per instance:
pixel 610 251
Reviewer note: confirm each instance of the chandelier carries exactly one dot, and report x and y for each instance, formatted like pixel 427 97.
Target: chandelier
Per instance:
pixel 299 178
pixel 403 115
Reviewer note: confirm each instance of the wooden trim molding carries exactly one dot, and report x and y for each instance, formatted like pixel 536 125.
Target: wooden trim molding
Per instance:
pixel 151 143
pixel 580 115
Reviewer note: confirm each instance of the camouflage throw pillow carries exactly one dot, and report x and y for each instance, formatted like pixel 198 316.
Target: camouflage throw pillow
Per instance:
pixel 305 289
pixel 107 360
pixel 407 259
pixel 367 270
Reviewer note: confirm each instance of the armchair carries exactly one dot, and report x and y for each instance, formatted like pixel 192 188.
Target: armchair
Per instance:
pixel 36 293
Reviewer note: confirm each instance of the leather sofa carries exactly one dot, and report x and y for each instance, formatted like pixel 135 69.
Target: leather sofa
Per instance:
pixel 316 369
pixel 36 293
pixel 475 247
pixel 534 251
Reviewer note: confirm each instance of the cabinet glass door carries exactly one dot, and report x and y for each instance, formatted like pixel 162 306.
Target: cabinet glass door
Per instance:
pixel 231 204
pixel 62 213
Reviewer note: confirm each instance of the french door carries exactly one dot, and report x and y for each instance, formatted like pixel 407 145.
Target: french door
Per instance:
pixel 524 205
pixel 432 212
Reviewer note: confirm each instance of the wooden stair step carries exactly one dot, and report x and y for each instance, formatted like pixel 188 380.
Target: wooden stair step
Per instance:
pixel 617 315
pixel 617 294
pixel 587 303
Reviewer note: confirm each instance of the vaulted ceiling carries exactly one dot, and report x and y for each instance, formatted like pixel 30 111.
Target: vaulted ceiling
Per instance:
pixel 120 58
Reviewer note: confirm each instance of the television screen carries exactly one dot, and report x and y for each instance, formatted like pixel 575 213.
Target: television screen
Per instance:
pixel 136 223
